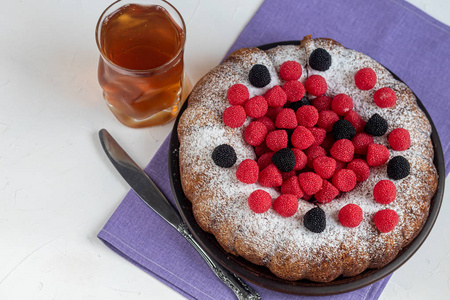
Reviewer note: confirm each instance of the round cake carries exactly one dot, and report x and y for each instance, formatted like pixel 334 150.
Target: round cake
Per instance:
pixel 312 160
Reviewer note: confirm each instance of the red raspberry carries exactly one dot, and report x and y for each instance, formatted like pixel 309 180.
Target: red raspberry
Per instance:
pixel 314 152
pixel 259 201
pixel 265 159
pixel 307 197
pixel 322 103
pixel 277 139
pixel 272 112
pixel 385 220
pixel 385 97
pixel 342 104
pixel 255 133
pixel 270 177
pixel 326 119
pixel 324 166
pixel 344 180
pixel 361 169
pixel 237 94
pixel 256 107
pixel 292 186
pixel 287 175
pixel 399 139
pixel 307 115
pixel 327 193
pixel 310 182
pixel 327 142
pixel 355 120
pixel 361 141
pixel 286 205
pixel 290 70
pixel 365 79
pixel 270 125
pixel 300 159
pixel 384 192
pixel 294 90
pixel 350 215
pixel 316 85
pixel 234 116
pixel 275 97
pixel 286 119
pixel 319 135
pixel 343 150
pixel 248 171
pixel 340 165
pixel 377 155
pixel 302 138
pixel 261 149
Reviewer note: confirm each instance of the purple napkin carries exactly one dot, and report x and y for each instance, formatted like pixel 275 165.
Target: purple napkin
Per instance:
pixel 407 41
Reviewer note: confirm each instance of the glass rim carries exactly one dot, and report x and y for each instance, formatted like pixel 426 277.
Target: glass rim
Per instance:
pixel 152 70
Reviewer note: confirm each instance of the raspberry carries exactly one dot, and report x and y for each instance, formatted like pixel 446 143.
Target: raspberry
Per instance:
pixel 343 150
pixel 286 205
pixel 365 79
pixel 270 125
pixel 292 186
pixel 361 141
pixel 343 129
pixel 224 156
pixel 327 193
pixel 384 192
pixel 344 180
pixel 377 155
pixel 385 220
pixel 350 215
pixel 256 107
pixel 355 120
pixel 264 160
pixel 385 97
pixel 376 126
pixel 277 139
pixel 319 135
pixel 234 116
pixel 361 169
pixel 259 201
pixel 326 119
pixel 310 182
pixel 270 176
pixel 286 119
pixel 307 115
pixel 327 142
pixel 314 152
pixel 340 165
pixel 399 139
pixel 322 103
pixel 398 168
pixel 315 220
pixel 342 104
pixel 272 112
pixel 275 97
pixel 237 94
pixel 308 197
pixel 255 133
pixel 294 90
pixel 287 175
pixel 290 70
pixel 316 85
pixel 324 166
pixel 259 76
pixel 284 159
pixel 302 138
pixel 261 149
pixel 300 159
pixel 247 171
pixel 320 59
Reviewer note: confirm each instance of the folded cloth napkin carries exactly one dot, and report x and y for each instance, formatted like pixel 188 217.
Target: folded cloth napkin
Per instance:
pixel 407 41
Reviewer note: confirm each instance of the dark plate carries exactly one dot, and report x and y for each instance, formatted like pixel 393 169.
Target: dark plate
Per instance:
pixel 261 275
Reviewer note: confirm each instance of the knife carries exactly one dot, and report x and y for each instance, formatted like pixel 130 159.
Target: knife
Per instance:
pixel 146 189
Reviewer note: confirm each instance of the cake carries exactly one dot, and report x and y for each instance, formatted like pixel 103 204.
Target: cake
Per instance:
pixel 312 160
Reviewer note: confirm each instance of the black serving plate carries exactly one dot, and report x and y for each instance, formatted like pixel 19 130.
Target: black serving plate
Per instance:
pixel 261 275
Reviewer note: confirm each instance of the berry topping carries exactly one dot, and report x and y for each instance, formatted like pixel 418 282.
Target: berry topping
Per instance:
pixel 322 103
pixel 385 97
pixel 344 180
pixel 270 176
pixel 319 135
pixel 259 76
pixel 294 90
pixel 292 186
pixel 237 94
pixel 286 205
pixel 361 141
pixel 290 70
pixel 320 59
pixel 398 168
pixel 327 193
pixel 277 139
pixel 224 156
pixel 314 152
pixel 286 119
pixel 377 155
pixel 326 119
pixel 302 138
pixel 270 125
pixel 256 107
pixel 264 160
pixel 343 129
pixel 234 116
pixel 385 220
pixel 314 220
pixel 355 120
pixel 384 192
pixel 376 126
pixel 255 133
pixel 259 201
pixel 284 159
pixel 342 104
pixel 361 169
pixel 297 104
pixel 247 171
pixel 300 159
pixel 399 139
pixel 307 115
pixel 324 166
pixel 365 79
pixel 350 215
pixel 275 97
pixel 310 182
pixel 316 85
pixel 343 150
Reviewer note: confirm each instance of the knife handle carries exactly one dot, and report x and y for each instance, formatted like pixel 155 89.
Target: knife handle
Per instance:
pixel 242 291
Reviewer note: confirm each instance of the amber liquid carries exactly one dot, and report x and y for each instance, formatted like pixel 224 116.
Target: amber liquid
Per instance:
pixel 141 67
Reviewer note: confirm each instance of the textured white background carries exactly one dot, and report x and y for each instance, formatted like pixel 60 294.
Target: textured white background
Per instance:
pixel 57 188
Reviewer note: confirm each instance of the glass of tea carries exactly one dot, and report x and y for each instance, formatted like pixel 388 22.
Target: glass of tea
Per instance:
pixel 141 70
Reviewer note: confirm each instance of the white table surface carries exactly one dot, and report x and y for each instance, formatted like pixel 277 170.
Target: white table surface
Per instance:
pixel 57 188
